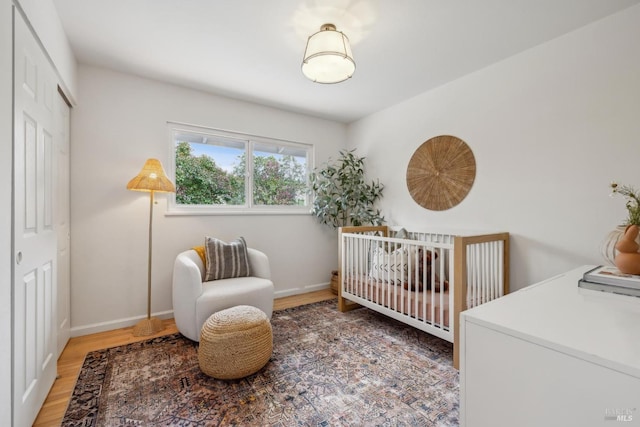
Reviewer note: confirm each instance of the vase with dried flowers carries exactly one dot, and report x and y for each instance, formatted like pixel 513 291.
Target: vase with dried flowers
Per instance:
pixel 632 197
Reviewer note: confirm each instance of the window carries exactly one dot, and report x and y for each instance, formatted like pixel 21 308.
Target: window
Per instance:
pixel 218 171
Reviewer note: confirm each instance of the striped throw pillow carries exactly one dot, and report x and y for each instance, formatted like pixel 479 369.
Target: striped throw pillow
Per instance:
pixel 226 260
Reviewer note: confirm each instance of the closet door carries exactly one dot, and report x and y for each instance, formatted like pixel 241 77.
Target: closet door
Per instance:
pixel 35 247
pixel 62 225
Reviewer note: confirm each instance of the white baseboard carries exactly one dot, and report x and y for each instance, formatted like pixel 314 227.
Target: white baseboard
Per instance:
pixel 79 331
pixel 303 290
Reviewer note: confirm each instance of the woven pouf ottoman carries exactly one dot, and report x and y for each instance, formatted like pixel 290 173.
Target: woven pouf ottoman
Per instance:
pixel 235 343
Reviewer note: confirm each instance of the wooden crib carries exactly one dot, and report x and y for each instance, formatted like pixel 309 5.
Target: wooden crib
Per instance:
pixel 417 277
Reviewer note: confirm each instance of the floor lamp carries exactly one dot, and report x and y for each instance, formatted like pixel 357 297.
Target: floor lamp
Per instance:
pixel 151 178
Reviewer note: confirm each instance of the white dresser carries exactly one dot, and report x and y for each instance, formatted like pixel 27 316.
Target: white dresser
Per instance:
pixel 549 355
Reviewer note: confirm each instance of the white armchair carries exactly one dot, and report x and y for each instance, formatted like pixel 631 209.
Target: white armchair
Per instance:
pixel 194 300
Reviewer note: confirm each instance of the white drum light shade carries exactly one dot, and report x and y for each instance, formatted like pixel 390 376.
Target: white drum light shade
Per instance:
pixel 328 57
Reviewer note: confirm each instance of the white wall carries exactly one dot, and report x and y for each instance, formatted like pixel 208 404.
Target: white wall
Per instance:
pixel 550 129
pixel 119 123
pixel 6 137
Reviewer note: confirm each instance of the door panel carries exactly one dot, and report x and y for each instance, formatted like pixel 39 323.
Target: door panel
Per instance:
pixel 29 143
pixel 25 300
pixel 47 171
pixel 35 266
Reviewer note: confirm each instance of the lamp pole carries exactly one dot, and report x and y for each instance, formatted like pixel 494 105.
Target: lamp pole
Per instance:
pixel 150 249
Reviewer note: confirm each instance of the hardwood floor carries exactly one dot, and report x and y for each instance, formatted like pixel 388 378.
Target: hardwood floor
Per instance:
pixel 72 357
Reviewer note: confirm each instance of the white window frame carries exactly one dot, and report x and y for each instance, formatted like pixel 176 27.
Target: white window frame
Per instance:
pixel 173 208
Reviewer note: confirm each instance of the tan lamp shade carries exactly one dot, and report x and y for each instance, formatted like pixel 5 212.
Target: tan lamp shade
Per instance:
pixel 152 178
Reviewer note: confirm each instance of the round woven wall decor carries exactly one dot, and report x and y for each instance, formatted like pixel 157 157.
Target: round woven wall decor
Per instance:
pixel 441 172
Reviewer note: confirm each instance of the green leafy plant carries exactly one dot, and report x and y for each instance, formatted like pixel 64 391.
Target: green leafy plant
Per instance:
pixel 342 197
pixel 633 202
pixel 200 181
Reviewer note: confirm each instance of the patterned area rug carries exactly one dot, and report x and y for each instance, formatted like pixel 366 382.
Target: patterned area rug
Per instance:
pixel 327 369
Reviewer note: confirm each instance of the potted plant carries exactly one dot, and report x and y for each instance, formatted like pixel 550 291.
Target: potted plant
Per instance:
pixel 632 197
pixel 343 197
pixel 627 256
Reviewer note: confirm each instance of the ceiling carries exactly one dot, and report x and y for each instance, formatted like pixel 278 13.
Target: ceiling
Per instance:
pixel 252 49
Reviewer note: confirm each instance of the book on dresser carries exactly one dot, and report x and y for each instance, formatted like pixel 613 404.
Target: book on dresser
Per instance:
pixel 620 290
pixel 610 279
pixel 607 275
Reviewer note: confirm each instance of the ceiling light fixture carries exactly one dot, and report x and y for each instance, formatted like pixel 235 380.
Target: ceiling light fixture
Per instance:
pixel 328 57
